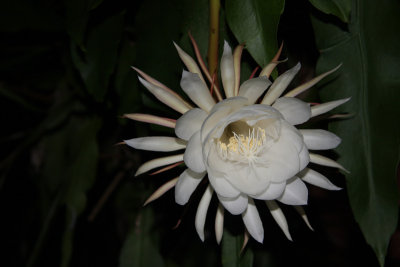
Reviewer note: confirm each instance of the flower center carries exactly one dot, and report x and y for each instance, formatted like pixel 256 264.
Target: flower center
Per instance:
pixel 243 147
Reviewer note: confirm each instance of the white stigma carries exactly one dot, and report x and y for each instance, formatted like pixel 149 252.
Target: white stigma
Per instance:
pixel 243 148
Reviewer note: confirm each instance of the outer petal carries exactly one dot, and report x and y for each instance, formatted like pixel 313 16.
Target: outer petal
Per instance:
pixel 279 217
pixel 189 62
pixel 219 223
pixel 187 183
pixel 155 163
pixel 293 110
pixel 196 89
pixel 252 89
pixel 328 106
pixel 280 84
pixel 324 161
pixel 193 156
pixel 201 213
pixel 296 192
pixel 253 222
pixel 320 139
pixel 156 143
pixel 227 71
pixel 273 191
pixel 236 205
pixel 166 97
pixel 189 123
pixel 317 179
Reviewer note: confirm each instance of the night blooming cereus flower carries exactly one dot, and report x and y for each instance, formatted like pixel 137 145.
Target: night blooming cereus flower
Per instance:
pixel 247 145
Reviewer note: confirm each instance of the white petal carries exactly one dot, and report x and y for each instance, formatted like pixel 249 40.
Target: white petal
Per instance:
pixel 196 89
pixel 280 84
pixel 328 106
pixel 201 213
pixel 252 89
pixel 235 205
pixel 303 215
pixel 189 62
pixel 187 183
pixel 273 191
pixel 293 110
pixel 295 193
pixel 304 157
pixel 253 222
pixel 219 112
pixel 219 223
pixel 193 154
pixel 189 123
pixel 279 217
pixel 221 185
pixel 227 71
pixel 156 143
pixel 317 179
pixel 166 97
pixel 282 158
pixel 155 163
pixel 320 139
pixel 324 161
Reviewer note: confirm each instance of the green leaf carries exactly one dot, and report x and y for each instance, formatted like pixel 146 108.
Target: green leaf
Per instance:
pixel 255 23
pixel 100 58
pixel 140 248
pixel 231 256
pixel 338 8
pixel 371 139
pixel 79 171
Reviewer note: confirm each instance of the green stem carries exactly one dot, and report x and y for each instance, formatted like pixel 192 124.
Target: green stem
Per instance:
pixel 213 36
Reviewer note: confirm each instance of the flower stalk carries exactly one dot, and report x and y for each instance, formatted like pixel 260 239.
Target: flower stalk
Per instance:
pixel 213 36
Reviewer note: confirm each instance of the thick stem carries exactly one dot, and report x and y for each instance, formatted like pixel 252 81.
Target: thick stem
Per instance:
pixel 213 36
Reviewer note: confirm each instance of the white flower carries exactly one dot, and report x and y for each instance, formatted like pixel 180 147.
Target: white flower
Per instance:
pixel 248 149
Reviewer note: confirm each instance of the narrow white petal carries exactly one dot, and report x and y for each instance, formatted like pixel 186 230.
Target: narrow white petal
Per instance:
pixel 296 193
pixel 189 62
pixel 320 139
pixel 252 89
pixel 189 123
pixel 201 213
pixel 151 119
pixel 324 161
pixel 328 106
pixel 187 183
pixel 197 90
pixel 219 223
pixel 303 215
pixel 237 55
pixel 293 110
pixel 157 143
pixel 161 190
pixel 280 84
pixel 193 154
pixel 317 179
pixel 236 205
pixel 227 71
pixel 166 97
pixel 252 221
pixel 310 83
pixel 155 163
pixel 279 217
pixel 273 191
